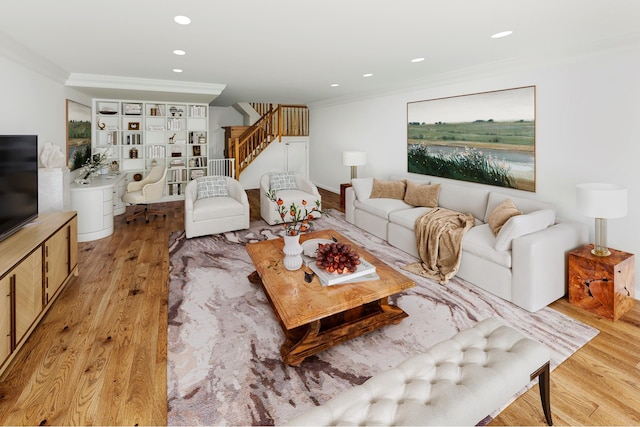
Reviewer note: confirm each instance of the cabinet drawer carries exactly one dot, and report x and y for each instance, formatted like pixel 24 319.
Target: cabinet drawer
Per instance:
pixel 107 195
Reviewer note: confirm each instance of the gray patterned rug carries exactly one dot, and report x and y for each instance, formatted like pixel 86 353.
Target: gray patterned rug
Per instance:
pixel 224 364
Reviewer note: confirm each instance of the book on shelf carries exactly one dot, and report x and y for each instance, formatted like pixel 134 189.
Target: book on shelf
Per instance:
pixel 329 279
pixel 175 189
pixel 197 111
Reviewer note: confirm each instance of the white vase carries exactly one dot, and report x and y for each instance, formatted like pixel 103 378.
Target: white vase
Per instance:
pixel 292 252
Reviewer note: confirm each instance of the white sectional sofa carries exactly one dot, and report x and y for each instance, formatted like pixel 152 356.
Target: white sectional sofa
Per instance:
pixel 525 263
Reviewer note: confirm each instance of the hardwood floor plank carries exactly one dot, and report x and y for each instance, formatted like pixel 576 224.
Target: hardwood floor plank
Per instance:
pixel 595 386
pixel 100 355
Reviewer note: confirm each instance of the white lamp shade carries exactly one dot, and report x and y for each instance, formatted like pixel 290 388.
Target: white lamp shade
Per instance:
pixel 354 158
pixel 602 200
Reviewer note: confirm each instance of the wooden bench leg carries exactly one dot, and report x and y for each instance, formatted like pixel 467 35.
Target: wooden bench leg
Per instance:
pixel 544 382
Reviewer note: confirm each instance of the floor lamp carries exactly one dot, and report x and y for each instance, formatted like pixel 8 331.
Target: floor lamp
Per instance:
pixel 354 159
pixel 601 201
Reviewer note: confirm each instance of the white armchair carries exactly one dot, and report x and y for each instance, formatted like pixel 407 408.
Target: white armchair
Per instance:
pixel 148 190
pixel 289 187
pixel 213 205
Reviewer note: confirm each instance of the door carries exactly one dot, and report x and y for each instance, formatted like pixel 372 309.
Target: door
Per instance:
pixel 28 292
pixel 56 258
pixel 5 317
pixel 296 157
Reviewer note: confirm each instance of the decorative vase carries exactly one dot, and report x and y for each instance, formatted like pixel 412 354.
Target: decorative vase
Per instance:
pixel 292 252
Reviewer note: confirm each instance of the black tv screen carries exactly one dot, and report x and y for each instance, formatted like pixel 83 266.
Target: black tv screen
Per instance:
pixel 18 182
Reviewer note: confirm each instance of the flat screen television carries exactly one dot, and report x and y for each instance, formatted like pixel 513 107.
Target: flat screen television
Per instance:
pixel 18 182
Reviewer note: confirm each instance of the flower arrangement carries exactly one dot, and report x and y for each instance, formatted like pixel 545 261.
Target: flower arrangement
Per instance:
pixel 94 164
pixel 301 217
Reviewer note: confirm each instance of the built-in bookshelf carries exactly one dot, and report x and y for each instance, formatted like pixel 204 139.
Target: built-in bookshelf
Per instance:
pixel 140 134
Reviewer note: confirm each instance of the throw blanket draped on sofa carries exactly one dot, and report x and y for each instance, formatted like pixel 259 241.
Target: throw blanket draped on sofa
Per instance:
pixel 439 234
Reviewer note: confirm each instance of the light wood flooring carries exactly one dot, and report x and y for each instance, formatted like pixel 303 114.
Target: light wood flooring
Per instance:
pixel 99 356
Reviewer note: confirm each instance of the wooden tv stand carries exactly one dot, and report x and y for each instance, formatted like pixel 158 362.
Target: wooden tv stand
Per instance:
pixel 36 264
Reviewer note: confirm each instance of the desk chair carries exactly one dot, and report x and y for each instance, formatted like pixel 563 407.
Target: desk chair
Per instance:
pixel 150 189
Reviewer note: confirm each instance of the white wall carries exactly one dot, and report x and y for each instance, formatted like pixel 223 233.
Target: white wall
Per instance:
pixel 587 130
pixel 219 117
pixel 32 103
pixel 290 154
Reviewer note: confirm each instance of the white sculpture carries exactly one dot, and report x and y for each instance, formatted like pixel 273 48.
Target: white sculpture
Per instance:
pixel 52 156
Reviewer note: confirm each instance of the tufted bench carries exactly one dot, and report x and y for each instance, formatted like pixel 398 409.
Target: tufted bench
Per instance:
pixel 456 382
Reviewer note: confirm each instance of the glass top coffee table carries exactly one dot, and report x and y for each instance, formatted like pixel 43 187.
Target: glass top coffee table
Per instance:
pixel 315 317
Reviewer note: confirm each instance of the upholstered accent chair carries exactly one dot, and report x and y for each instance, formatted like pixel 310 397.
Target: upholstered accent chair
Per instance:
pixel 291 188
pixel 146 191
pixel 213 205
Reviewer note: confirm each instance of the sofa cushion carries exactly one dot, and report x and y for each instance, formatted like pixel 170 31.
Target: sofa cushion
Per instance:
pixel 524 204
pixel 464 199
pixel 381 208
pixel 501 214
pixel 407 217
pixel 282 181
pixel 218 207
pixel 388 189
pixel 425 195
pixel 521 225
pixel 362 187
pixel 480 241
pixel 211 186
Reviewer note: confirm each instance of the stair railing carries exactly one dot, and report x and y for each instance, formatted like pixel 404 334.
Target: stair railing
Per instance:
pixel 283 120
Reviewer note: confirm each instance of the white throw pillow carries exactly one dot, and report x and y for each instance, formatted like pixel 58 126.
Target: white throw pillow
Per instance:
pixel 362 187
pixel 521 225
pixel 212 186
pixel 282 181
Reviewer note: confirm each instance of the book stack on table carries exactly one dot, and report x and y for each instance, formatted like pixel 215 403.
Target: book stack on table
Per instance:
pixel 364 272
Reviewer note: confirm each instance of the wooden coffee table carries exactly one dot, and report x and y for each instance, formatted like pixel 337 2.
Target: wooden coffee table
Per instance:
pixel 314 317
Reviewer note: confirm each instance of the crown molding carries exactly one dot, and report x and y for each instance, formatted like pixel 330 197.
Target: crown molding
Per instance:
pixel 138 84
pixel 20 54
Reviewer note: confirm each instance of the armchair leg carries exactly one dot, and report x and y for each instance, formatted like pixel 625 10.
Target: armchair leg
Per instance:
pixel 146 212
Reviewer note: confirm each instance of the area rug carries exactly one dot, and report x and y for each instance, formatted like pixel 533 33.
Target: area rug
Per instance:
pixel 224 365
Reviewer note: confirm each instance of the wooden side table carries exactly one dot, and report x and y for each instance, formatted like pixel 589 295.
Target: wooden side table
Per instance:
pixel 602 285
pixel 343 189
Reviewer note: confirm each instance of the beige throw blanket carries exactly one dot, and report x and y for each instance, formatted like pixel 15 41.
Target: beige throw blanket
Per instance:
pixel 439 234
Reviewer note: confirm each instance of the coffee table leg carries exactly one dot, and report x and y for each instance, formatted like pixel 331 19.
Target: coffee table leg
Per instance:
pixel 298 343
pixel 322 334
pixel 395 312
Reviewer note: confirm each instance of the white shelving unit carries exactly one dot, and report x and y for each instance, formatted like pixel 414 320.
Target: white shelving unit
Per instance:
pixel 138 134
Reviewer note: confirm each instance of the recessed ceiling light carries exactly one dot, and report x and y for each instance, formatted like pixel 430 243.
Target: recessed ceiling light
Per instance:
pixel 179 52
pixel 367 75
pixel 501 34
pixel 182 20
pixel 177 70
pixel 417 60
pixel 335 84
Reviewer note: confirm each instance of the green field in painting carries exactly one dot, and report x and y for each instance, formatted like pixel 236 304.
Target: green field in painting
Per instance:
pixel 517 134
pixel 77 131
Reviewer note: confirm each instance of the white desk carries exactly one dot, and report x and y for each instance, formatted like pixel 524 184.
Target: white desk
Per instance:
pixel 96 204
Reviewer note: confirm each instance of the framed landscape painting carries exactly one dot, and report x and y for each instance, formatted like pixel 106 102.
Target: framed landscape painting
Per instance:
pixel 488 138
pixel 78 134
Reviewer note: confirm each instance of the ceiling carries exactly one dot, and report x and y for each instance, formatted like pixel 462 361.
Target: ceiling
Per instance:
pixel 291 51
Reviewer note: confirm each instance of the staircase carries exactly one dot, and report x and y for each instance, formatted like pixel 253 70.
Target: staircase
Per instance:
pixel 274 123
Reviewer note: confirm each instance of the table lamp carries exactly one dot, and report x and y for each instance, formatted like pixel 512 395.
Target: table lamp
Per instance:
pixel 354 159
pixel 602 201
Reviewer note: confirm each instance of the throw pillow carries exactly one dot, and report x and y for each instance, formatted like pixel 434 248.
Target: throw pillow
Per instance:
pixel 362 187
pixel 388 189
pixel 521 225
pixel 501 214
pixel 422 194
pixel 282 181
pixel 212 186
